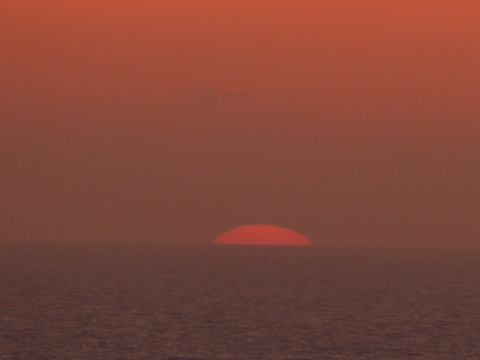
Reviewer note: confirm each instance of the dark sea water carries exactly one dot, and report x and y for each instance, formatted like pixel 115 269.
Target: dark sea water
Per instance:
pixel 127 301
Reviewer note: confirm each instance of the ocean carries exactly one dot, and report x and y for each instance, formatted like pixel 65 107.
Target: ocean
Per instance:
pixel 218 302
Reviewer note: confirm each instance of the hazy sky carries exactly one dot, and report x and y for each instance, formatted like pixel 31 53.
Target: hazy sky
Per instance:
pixel 352 122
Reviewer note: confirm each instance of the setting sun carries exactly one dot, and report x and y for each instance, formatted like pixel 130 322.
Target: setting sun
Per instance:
pixel 262 235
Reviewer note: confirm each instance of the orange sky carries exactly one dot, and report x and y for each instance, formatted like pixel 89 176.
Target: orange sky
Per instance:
pixel 353 122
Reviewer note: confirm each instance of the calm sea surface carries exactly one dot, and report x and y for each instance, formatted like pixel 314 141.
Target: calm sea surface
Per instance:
pixel 126 301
